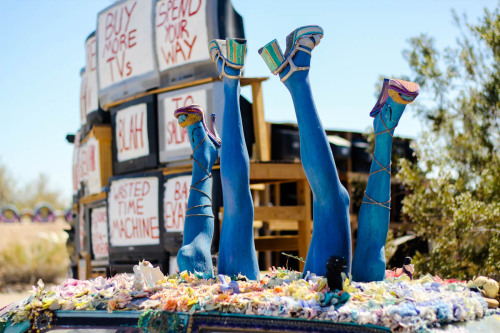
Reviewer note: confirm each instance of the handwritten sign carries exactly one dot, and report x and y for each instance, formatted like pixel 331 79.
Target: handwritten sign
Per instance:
pixel 83 97
pixel 175 138
pixel 89 79
pixel 86 164
pixel 175 202
pixel 133 212
pixel 93 164
pixel 99 232
pixel 81 229
pixel 181 32
pixel 76 164
pixel 125 42
pixel 131 133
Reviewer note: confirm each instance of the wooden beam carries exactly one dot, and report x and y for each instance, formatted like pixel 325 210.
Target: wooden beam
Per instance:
pixel 276 171
pixel 279 225
pixel 246 81
pixel 263 152
pixel 178 169
pixel 305 225
pixel 290 213
pixel 243 81
pixel 161 90
pixel 276 243
pixel 93 198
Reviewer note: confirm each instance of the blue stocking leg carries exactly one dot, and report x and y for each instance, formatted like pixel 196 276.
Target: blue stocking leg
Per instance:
pixel 194 255
pixel 374 214
pixel 236 249
pixel 331 231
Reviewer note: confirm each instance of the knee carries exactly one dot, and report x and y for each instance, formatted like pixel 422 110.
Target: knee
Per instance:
pixel 332 201
pixel 344 196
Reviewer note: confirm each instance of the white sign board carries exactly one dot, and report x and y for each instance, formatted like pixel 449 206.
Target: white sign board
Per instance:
pixel 76 163
pixel 89 79
pixel 93 163
pixel 175 138
pixel 83 163
pixel 83 98
pixel 181 32
pixel 133 212
pixel 131 132
pixel 99 232
pixel 175 202
pixel 125 42
pixel 81 229
pixel 173 268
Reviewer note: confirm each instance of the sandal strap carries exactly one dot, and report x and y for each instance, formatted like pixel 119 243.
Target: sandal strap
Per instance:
pixel 234 51
pixel 299 46
pixel 293 69
pixel 223 71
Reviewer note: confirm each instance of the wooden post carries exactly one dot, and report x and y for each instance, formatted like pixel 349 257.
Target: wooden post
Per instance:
pixel 267 200
pixel 259 123
pixel 84 267
pixel 305 225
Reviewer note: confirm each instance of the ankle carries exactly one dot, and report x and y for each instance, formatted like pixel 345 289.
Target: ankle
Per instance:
pixel 300 60
pixel 234 74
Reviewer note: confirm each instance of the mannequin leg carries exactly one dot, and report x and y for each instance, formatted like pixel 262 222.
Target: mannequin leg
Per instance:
pixel 236 248
pixel 331 231
pixel 195 255
pixel 374 214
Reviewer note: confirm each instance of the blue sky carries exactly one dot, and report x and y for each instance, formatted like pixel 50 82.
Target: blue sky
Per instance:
pixel 42 53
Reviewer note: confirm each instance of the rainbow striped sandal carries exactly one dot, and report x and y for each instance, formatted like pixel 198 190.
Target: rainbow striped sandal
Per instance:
pixel 194 113
pixel 231 51
pixel 303 39
pixel 402 92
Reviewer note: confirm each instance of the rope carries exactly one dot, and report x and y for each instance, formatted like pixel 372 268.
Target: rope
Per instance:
pixel 387 169
pixel 192 187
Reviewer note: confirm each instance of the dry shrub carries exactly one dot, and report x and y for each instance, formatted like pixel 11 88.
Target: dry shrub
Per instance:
pixel 30 251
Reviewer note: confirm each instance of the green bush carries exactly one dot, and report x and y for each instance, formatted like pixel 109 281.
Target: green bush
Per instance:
pixel 27 260
pixel 455 186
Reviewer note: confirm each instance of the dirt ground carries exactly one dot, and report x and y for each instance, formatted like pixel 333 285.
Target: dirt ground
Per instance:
pixel 24 231
pixel 8 298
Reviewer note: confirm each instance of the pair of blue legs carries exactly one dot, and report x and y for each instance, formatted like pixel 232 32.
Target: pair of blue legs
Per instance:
pixel 331 231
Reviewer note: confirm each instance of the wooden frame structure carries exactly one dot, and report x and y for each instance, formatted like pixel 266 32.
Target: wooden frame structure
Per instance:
pixel 263 175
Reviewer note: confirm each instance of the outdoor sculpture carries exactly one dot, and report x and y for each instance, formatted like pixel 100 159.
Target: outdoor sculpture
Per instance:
pixel 331 232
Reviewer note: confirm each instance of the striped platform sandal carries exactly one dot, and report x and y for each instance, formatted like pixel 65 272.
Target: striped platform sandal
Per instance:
pixel 232 52
pixel 303 39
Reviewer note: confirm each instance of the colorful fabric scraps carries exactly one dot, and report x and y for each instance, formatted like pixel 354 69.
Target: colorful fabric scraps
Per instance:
pixel 397 302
